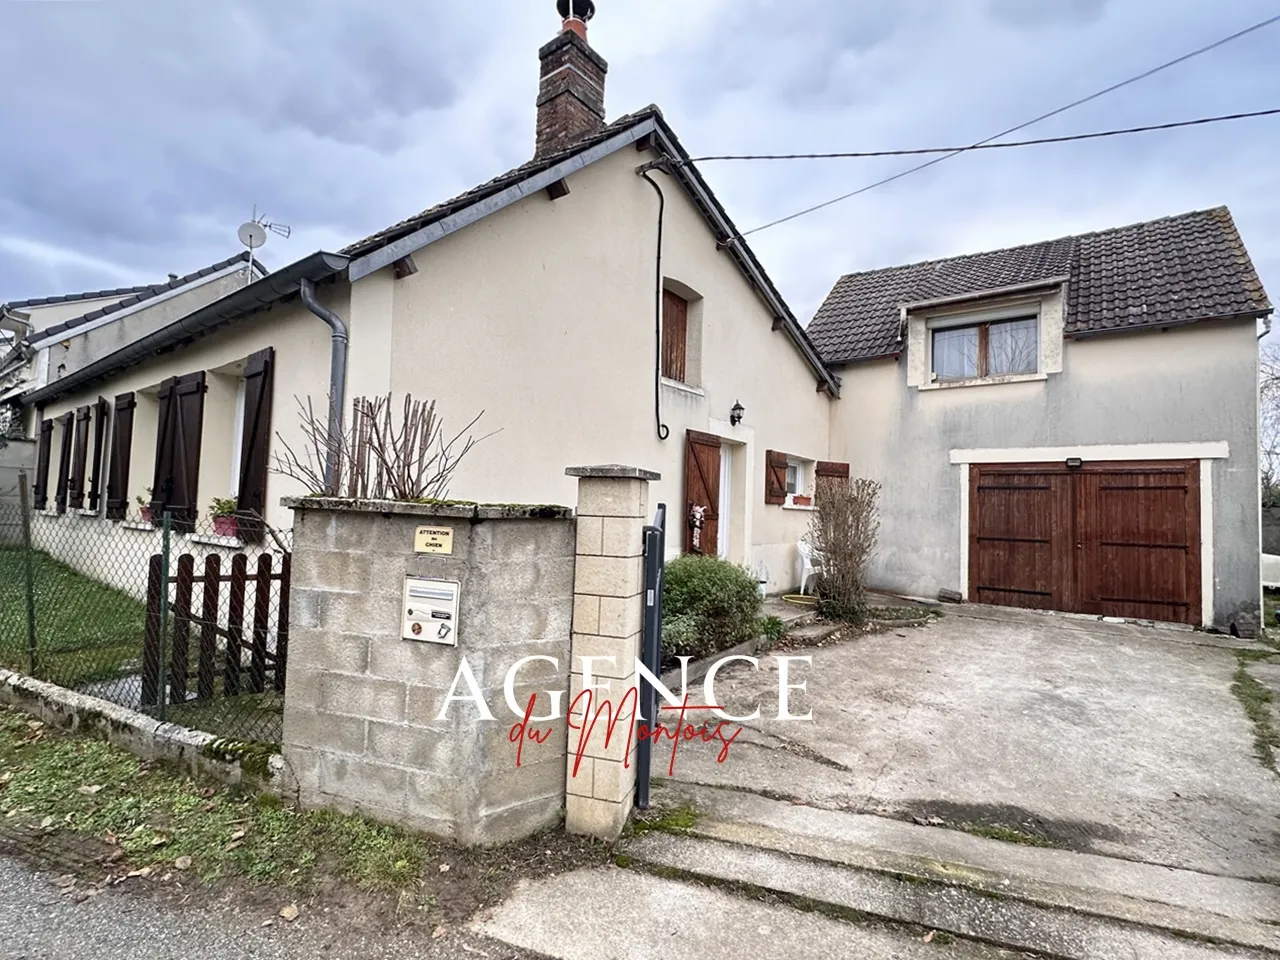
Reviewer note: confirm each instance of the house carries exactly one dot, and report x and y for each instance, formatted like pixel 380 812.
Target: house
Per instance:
pixel 1070 425
pixel 596 303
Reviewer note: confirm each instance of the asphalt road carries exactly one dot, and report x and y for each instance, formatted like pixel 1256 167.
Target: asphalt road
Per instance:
pixel 41 922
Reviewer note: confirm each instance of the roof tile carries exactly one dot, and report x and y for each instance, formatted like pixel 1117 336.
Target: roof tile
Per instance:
pixel 1174 270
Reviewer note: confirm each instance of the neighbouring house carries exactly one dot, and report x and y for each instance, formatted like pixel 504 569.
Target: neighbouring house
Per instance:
pixel 1070 425
pixel 596 303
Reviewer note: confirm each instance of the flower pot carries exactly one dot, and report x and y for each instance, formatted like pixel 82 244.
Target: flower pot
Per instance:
pixel 224 526
pixel 800 500
pixel 147 515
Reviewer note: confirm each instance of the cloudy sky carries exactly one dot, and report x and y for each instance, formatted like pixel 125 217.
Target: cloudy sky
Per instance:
pixel 138 135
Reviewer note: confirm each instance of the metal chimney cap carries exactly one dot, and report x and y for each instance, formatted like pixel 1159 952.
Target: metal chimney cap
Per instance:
pixel 582 10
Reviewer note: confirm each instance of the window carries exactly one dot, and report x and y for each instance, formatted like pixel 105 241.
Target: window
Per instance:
pixel 675 333
pixel 996 349
pixel 795 477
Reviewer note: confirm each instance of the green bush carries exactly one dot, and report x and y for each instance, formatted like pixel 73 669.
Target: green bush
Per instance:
pixel 708 605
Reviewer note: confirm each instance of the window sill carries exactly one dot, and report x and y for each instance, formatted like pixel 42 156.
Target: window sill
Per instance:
pixel 138 525
pixel 683 387
pixel 87 513
pixel 48 513
pixel 983 381
pixel 213 540
pixel 798 506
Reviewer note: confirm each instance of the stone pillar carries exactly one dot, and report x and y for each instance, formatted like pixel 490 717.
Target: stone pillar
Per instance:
pixel 608 605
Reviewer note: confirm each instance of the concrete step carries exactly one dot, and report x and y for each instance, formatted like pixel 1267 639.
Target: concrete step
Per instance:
pixel 611 914
pixel 1055 902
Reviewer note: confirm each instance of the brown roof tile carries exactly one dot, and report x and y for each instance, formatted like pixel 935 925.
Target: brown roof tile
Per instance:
pixel 1162 272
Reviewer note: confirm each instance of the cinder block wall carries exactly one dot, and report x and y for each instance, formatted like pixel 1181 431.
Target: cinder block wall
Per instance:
pixel 360 727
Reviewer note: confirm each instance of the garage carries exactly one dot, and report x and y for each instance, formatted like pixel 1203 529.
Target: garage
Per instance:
pixel 1111 538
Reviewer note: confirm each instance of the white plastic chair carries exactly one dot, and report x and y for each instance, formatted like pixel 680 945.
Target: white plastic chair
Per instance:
pixel 810 564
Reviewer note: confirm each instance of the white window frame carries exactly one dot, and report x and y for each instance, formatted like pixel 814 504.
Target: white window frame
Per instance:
pixel 805 469
pixel 977 319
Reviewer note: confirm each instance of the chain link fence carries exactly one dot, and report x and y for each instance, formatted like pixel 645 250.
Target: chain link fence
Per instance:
pixel 187 621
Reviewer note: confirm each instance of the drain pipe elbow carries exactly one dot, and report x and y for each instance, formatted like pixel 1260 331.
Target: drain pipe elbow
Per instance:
pixel 337 379
pixel 1266 326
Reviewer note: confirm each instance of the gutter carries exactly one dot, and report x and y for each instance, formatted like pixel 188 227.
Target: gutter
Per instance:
pixel 337 379
pixel 254 298
pixel 1169 325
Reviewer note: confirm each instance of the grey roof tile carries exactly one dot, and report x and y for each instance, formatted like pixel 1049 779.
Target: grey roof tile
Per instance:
pixel 1174 270
pixel 139 295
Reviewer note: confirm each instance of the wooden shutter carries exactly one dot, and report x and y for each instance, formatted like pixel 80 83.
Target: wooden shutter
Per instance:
pixel 40 490
pixel 101 414
pixel 702 488
pixel 828 468
pixel 675 330
pixel 775 477
pixel 255 444
pixel 178 448
pixel 79 458
pixel 64 461
pixel 118 457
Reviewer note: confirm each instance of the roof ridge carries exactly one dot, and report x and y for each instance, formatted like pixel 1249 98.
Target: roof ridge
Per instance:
pixel 1043 243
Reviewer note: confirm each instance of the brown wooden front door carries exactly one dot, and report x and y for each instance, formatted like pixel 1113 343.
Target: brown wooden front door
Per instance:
pixel 1110 539
pixel 702 489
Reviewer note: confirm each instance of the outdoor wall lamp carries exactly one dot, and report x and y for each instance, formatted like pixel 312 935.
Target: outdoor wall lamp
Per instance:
pixel 735 415
pixel 1074 463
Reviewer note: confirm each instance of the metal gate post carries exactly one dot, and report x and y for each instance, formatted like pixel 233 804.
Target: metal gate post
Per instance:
pixel 650 645
pixel 24 505
pixel 166 527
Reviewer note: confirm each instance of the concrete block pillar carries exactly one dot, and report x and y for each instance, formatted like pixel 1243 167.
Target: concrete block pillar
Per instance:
pixel 608 606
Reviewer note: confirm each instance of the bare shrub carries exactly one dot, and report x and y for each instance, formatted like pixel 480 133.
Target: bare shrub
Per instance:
pixel 843 533
pixel 379 456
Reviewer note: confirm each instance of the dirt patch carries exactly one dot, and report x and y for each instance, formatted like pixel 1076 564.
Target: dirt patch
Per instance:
pixel 1009 823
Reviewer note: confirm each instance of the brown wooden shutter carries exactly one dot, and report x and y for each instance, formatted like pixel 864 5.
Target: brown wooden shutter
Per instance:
pixel 775 477
pixel 65 421
pixel 118 457
pixel 178 448
pixel 828 468
pixel 675 330
pixel 79 458
pixel 101 414
pixel 40 490
pixel 255 444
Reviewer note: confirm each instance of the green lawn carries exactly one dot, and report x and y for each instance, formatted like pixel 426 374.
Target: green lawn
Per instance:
pixel 85 630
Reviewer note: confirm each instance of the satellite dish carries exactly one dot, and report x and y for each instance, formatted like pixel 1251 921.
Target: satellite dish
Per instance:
pixel 251 234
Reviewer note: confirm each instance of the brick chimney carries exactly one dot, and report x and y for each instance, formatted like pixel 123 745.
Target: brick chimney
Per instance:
pixel 571 92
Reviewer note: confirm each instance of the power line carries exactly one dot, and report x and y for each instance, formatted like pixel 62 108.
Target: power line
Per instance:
pixel 987 146
pixel 1021 126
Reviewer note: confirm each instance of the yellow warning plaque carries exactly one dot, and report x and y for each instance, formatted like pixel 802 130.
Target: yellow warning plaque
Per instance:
pixel 433 540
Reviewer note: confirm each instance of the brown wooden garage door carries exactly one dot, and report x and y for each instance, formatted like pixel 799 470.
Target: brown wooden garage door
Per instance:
pixel 1112 539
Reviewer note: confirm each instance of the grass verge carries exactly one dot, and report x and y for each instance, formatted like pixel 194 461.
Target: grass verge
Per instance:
pixel 1257 702
pixel 133 815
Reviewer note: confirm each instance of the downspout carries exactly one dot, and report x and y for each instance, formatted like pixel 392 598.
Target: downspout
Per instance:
pixel 663 430
pixel 337 379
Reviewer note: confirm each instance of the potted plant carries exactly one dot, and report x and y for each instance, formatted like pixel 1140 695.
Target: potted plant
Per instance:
pixel 223 511
pixel 144 507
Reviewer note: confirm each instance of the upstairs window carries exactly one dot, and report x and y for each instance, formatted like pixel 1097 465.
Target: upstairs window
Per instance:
pixel 675 336
pixel 1000 348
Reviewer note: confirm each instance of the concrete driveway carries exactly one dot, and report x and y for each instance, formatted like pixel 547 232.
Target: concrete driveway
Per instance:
pixel 1114 739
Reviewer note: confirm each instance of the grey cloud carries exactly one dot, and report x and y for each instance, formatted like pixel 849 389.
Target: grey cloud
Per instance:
pixel 1036 13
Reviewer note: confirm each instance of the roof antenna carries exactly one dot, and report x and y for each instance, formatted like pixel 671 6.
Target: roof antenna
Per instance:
pixel 253 234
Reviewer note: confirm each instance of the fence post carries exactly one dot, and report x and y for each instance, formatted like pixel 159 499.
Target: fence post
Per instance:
pixel 166 526
pixel 24 497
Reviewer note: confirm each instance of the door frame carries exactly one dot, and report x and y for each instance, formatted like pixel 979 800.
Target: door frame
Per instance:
pixel 1204 452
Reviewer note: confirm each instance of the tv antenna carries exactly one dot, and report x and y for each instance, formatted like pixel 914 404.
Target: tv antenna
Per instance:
pixel 253 234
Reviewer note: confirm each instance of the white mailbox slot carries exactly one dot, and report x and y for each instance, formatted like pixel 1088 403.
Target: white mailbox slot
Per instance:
pixel 431 610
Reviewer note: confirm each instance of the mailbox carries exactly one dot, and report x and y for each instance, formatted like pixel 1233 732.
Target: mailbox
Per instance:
pixel 431 610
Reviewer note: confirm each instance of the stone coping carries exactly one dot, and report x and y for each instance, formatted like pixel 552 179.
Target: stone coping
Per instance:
pixel 615 471
pixel 452 509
